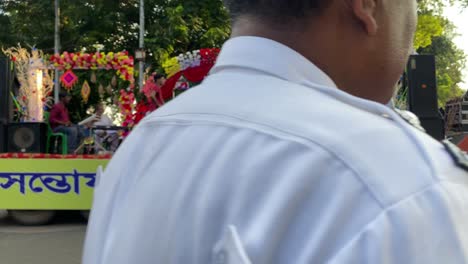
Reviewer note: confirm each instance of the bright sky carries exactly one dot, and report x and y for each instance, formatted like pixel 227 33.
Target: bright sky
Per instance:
pixel 459 17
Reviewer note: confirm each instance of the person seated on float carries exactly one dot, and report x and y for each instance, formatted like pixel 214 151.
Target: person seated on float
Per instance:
pixel 60 122
pixel 111 137
pixel 153 91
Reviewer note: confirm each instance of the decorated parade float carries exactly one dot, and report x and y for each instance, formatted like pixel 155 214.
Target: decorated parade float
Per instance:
pixel 38 174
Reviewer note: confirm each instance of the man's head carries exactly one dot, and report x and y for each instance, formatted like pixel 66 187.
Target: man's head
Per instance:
pixel 275 10
pixel 363 45
pixel 99 109
pixel 160 79
pixel 65 97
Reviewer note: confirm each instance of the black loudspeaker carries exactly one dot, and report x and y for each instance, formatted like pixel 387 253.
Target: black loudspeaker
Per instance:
pixel 435 127
pixel 6 77
pixel 27 137
pixel 3 133
pixel 422 86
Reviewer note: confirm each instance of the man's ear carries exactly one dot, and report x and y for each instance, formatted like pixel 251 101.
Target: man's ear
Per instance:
pixel 364 11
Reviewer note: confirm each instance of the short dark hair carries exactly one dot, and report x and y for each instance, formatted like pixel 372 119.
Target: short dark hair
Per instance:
pixel 64 94
pixel 158 76
pixel 100 103
pixel 275 10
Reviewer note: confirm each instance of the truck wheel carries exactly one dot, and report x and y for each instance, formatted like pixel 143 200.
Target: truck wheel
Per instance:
pixel 32 217
pixel 85 214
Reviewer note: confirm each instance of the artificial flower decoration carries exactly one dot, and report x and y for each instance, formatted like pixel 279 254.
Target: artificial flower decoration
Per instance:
pixel 120 61
pixel 126 101
pixel 114 82
pixel 69 79
pixel 109 89
pixel 101 91
pixel 36 83
pixel 193 66
pixel 93 77
pixel 193 59
pixel 172 66
pixel 85 91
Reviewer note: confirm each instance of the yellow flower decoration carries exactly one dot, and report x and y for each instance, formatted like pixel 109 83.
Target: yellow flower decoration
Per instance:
pixel 171 66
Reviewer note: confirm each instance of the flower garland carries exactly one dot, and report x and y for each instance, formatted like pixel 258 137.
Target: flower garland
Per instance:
pixel 126 104
pixel 119 61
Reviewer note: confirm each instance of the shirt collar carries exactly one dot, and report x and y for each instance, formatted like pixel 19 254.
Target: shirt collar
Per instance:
pixel 270 57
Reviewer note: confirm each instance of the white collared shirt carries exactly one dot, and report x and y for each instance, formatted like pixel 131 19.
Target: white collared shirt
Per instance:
pixel 105 120
pixel 267 162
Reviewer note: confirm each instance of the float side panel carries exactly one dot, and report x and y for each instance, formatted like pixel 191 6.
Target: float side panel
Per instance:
pixel 48 184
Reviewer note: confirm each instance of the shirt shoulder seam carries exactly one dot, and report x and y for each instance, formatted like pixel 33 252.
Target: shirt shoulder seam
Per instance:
pixel 316 143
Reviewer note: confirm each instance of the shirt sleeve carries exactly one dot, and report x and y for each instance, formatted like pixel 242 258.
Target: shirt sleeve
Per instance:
pixel 429 227
pixel 107 121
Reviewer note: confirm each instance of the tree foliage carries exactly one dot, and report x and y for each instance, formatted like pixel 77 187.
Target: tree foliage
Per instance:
pixel 172 26
pixel 450 62
pixel 429 27
pixel 435 36
pixel 177 26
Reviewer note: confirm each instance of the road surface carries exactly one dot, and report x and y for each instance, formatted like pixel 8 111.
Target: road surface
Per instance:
pixel 58 243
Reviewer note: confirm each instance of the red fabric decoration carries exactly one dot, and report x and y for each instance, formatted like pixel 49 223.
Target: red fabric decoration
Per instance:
pixel 193 74
pixel 142 109
pixel 167 91
pixel 209 56
pixel 197 74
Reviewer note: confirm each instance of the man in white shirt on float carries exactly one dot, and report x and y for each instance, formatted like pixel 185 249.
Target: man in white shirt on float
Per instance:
pixel 287 153
pixel 105 136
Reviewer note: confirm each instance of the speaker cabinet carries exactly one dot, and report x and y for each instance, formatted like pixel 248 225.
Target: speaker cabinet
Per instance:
pixel 6 77
pixel 27 137
pixel 435 127
pixel 3 133
pixel 422 92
